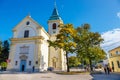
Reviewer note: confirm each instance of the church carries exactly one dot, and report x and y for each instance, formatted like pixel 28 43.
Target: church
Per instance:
pixel 30 51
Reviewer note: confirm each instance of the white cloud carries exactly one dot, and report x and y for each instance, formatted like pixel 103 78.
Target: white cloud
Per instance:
pixel 111 39
pixel 118 14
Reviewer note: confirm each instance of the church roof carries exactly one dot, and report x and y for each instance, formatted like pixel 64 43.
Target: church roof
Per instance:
pixel 55 15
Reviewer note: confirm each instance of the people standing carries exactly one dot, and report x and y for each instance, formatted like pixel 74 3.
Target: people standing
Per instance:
pixel 33 68
pixel 113 68
pixel 105 69
pixel 108 70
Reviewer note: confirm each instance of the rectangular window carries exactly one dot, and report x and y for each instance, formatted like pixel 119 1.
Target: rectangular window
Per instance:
pixel 110 54
pixel 54 31
pixel 16 62
pixel 36 62
pixel 112 64
pixel 26 33
pixel 118 63
pixel 117 52
pixel 24 50
pixel 29 62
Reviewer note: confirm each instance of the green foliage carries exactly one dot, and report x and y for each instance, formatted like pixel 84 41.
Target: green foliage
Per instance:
pixel 4 64
pixel 73 61
pixel 4 51
pixel 88 44
pixel 1 51
pixel 97 53
pixel 0 47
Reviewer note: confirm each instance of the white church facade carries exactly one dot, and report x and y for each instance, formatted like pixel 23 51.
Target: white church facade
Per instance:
pixel 30 51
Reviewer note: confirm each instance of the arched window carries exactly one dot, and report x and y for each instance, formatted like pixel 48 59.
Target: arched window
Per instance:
pixel 54 26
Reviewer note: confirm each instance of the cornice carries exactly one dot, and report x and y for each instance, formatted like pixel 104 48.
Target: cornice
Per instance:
pixel 29 38
pixel 114 49
pixel 115 56
pixel 59 21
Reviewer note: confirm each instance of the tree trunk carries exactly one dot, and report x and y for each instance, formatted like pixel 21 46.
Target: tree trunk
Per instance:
pixel 67 62
pixel 90 61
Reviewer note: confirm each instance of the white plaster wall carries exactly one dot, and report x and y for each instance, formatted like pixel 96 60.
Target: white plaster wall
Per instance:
pixel 30 54
pixel 20 28
pixel 44 50
pixel 55 53
pixel 44 54
pixel 15 33
pixel 44 35
pixel 11 57
pixel 32 32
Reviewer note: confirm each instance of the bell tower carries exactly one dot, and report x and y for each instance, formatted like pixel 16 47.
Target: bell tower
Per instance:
pixel 54 21
pixel 57 58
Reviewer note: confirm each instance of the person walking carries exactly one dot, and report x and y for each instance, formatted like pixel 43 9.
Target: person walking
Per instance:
pixel 105 69
pixel 108 70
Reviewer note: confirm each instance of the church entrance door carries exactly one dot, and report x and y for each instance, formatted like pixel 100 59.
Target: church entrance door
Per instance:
pixel 23 65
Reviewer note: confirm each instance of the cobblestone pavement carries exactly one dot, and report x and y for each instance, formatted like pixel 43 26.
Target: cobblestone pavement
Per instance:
pixel 112 76
pixel 44 76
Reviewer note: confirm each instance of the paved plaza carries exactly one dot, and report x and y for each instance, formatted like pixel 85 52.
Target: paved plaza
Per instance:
pixel 44 76
pixel 53 76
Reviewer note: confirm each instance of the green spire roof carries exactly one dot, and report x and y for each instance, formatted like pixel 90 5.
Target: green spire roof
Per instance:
pixel 55 15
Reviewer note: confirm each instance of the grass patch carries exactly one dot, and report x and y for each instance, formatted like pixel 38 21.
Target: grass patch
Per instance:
pixel 73 72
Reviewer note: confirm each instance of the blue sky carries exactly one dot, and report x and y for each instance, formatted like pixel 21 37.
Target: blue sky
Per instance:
pixel 102 15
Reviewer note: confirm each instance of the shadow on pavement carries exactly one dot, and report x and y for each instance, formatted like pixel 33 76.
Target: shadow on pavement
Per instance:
pixel 103 76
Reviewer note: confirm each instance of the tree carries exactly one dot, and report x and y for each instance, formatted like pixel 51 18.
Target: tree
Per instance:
pixel 4 52
pixel 88 44
pixel 0 51
pixel 65 40
pixel 3 66
pixel 73 61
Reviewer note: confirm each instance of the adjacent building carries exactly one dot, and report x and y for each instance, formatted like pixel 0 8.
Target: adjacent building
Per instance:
pixel 114 59
pixel 30 51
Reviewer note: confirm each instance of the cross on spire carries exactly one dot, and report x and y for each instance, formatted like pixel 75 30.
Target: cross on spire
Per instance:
pixel 29 14
pixel 55 15
pixel 55 3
